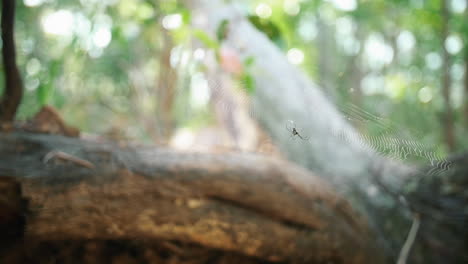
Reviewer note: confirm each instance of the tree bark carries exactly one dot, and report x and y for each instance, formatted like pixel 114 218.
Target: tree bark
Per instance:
pixel 465 83
pixel 166 90
pixel 13 84
pixel 247 204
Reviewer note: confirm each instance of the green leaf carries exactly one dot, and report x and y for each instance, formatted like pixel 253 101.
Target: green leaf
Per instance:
pixel 186 16
pixel 248 83
pixel 206 39
pixel 43 94
pixel 249 61
pixel 270 29
pixel 222 30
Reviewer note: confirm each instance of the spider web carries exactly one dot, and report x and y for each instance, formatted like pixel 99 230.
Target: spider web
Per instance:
pixel 393 141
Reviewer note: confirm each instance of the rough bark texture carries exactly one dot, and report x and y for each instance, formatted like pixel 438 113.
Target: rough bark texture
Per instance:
pixel 148 200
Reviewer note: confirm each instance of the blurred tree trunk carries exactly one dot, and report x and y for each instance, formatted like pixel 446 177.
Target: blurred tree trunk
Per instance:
pixel 13 92
pixel 465 52
pixel 356 75
pixel 166 88
pixel 355 90
pixel 466 87
pixel 447 121
pixel 326 47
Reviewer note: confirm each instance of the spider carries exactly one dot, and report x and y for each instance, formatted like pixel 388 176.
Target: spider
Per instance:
pixel 291 127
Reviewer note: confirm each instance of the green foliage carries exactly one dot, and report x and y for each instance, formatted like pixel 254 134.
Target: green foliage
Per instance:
pixel 222 30
pixel 248 83
pixel 271 30
pixel 249 61
pixel 246 79
pixel 206 39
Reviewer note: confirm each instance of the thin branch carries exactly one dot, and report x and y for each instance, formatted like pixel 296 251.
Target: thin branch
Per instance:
pixel 405 250
pixel 64 156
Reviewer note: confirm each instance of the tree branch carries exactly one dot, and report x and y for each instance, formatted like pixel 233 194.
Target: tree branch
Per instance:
pixel 13 83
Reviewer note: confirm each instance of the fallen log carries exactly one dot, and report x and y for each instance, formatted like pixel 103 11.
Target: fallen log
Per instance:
pixel 80 197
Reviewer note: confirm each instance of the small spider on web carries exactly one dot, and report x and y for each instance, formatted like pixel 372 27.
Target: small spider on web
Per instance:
pixel 291 127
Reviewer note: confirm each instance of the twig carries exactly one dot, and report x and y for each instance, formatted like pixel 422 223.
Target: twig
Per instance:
pixel 404 253
pixel 64 156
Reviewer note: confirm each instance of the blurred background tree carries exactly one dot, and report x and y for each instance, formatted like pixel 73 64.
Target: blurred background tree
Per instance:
pixel 128 67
